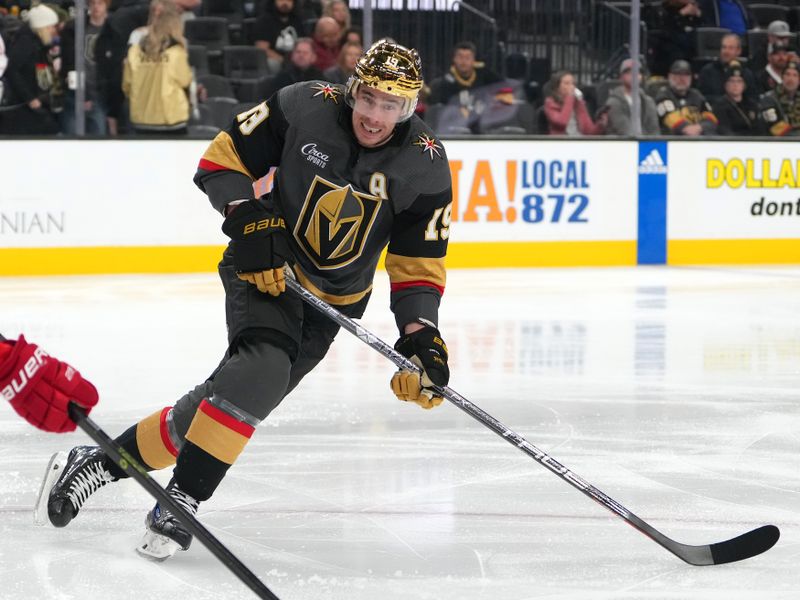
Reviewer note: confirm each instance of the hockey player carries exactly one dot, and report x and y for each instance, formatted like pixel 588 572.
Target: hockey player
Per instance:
pixel 357 170
pixel 780 108
pixel 682 109
pixel 40 387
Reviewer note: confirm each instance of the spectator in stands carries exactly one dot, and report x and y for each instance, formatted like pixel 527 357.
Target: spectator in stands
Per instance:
pixel 737 113
pixel 110 50
pixel 683 110
pixel 565 108
pixel 728 14
pixel 353 36
pixel 30 76
pixel 3 65
pixel 780 108
pixel 327 42
pixel 111 47
pixel 95 113
pixel 277 31
pixel 300 67
pixel 711 80
pixel 619 103
pixel 778 32
pixel 339 12
pixel 346 65
pixel 674 38
pixel 503 109
pixel 3 55
pixel 466 75
pixel 777 57
pixel 157 74
pixel 187 7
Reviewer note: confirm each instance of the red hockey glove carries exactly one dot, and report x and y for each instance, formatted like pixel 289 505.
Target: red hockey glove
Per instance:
pixel 39 387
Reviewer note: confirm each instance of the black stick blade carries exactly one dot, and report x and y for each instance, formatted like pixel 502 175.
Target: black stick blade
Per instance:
pixel 746 545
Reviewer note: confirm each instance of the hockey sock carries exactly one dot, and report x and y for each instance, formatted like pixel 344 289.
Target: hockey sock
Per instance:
pixel 150 442
pixel 213 443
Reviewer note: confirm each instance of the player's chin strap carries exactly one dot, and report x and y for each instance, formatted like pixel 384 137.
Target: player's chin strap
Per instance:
pixel 744 546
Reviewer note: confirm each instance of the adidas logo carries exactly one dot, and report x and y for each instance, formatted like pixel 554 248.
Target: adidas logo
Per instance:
pixel 652 163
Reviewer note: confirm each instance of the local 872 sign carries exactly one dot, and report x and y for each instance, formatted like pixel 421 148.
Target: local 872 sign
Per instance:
pixel 543 190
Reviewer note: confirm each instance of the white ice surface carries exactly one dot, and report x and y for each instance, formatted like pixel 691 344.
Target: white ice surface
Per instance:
pixel 675 391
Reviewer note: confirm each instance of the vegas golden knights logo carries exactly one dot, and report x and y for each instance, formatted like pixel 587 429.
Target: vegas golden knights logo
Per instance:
pixel 334 223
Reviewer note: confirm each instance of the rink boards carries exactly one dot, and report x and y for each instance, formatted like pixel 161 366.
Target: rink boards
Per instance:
pixel 130 206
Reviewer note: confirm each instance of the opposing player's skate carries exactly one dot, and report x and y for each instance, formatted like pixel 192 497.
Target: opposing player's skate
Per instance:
pixel 68 483
pixel 165 534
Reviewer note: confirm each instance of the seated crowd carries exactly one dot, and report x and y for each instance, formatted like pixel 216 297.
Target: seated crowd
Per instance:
pixel 748 88
pixel 724 98
pixel 151 67
pixel 159 68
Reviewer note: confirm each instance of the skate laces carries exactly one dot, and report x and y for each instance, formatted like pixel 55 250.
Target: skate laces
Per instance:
pixel 184 500
pixel 88 481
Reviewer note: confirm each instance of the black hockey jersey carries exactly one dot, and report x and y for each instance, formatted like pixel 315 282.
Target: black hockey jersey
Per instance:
pixel 676 112
pixel 343 203
pixel 781 113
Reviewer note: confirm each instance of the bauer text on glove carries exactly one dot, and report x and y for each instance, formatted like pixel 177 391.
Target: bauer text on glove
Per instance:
pixel 260 246
pixel 40 387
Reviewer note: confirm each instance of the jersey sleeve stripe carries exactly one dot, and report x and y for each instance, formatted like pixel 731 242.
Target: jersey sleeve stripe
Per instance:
pixel 674 120
pixel 396 287
pixel 780 129
pixel 222 153
pixel 408 269
pixel 207 165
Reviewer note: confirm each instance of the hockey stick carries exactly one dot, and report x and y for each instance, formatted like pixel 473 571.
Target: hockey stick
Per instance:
pixel 129 464
pixel 744 546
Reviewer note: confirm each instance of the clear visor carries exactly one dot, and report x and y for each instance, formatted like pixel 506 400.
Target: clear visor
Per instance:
pixel 377 105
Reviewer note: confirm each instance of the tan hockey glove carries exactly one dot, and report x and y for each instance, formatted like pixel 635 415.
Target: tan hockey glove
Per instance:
pixel 426 349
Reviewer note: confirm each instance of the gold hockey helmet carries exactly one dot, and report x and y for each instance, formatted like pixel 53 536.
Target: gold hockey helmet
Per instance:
pixel 391 68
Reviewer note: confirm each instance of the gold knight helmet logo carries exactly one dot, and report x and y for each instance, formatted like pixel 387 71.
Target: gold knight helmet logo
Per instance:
pixel 334 223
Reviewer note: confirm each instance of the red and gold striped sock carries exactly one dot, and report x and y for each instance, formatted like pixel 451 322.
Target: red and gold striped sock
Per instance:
pixel 149 442
pixel 153 440
pixel 213 443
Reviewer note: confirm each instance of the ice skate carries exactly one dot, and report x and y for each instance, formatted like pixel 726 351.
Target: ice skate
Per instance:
pixel 165 534
pixel 68 483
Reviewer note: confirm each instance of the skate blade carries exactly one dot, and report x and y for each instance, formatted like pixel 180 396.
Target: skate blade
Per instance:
pixel 54 469
pixel 157 547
